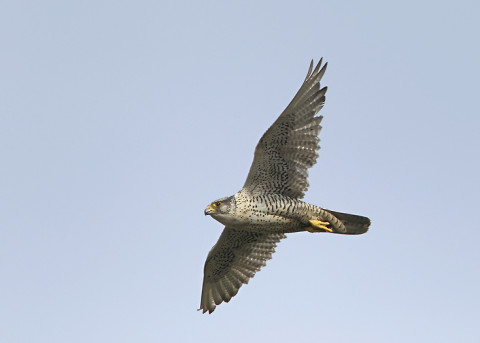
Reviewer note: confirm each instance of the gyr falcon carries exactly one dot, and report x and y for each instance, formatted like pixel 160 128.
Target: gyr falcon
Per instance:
pixel 267 207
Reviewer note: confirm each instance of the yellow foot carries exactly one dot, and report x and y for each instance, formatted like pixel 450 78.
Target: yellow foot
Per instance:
pixel 318 226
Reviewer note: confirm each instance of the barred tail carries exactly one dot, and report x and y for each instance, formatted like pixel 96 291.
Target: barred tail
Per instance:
pixel 348 224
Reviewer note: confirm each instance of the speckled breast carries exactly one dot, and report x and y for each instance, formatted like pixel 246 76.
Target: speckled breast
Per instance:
pixel 267 213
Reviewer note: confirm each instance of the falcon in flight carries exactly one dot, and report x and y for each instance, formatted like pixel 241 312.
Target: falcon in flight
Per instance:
pixel 268 206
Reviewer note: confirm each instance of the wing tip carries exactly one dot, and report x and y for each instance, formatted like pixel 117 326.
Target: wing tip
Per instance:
pixel 317 67
pixel 322 71
pixel 317 71
pixel 310 68
pixel 205 310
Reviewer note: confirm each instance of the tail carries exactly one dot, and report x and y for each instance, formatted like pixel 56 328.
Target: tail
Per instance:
pixel 352 224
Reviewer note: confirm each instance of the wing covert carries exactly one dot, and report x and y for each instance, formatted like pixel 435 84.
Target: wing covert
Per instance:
pixel 289 147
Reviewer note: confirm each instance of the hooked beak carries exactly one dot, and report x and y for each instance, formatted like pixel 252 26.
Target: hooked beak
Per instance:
pixel 209 210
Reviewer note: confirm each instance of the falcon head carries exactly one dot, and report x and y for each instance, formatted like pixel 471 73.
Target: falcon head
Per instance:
pixel 222 210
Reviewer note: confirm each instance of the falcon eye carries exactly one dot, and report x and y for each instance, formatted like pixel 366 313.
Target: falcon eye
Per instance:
pixel 217 204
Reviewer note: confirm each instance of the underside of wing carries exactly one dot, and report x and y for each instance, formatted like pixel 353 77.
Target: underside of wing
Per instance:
pixel 289 147
pixel 233 260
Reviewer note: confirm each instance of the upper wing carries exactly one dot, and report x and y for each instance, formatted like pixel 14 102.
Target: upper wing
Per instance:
pixel 289 147
pixel 233 260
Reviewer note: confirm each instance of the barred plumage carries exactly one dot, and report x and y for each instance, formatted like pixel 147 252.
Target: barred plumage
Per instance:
pixel 257 217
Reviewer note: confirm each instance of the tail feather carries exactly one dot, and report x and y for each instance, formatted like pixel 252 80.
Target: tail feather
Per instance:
pixel 352 224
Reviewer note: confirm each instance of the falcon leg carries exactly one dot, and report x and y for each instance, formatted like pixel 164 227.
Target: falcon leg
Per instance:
pixel 318 226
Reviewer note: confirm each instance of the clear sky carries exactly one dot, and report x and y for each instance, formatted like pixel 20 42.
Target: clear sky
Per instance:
pixel 121 120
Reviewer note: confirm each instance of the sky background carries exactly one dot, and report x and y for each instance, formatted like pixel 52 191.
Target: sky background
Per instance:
pixel 121 120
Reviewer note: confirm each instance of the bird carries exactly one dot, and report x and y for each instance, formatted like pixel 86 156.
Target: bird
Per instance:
pixel 268 206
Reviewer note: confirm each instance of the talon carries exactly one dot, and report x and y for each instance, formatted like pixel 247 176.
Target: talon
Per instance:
pixel 318 226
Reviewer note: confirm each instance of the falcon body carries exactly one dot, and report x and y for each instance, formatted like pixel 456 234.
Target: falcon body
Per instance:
pixel 268 206
pixel 272 213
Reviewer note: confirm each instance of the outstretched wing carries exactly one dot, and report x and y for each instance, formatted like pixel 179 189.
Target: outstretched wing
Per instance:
pixel 289 147
pixel 233 260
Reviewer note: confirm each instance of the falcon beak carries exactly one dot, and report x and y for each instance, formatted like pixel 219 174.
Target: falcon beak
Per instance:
pixel 209 210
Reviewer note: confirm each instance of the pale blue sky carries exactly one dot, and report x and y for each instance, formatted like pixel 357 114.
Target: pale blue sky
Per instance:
pixel 120 121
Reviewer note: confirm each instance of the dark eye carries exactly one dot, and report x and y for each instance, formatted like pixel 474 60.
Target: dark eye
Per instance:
pixel 217 204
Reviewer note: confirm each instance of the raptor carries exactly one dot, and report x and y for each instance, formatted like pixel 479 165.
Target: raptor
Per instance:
pixel 268 206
